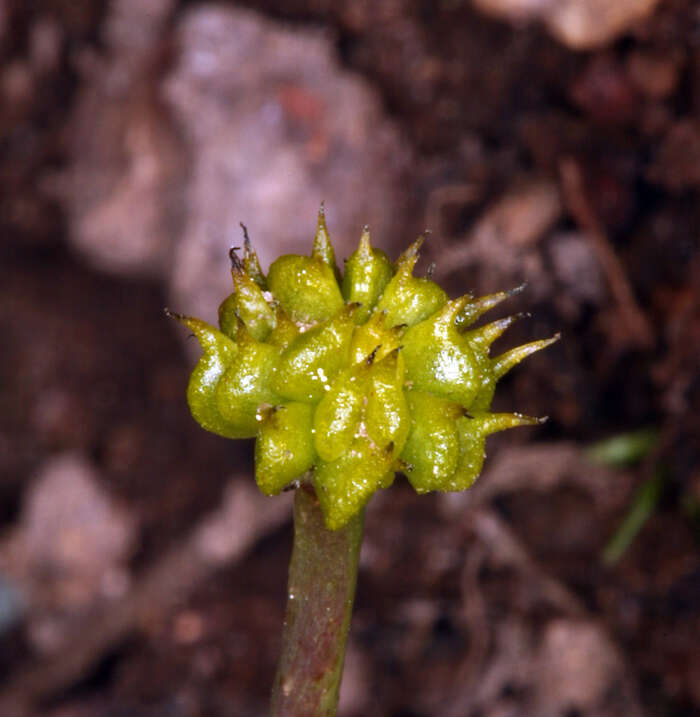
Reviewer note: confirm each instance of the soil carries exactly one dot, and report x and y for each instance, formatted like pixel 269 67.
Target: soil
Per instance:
pixel 90 365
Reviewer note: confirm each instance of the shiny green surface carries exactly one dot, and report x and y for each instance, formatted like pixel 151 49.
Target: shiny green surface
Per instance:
pixel 305 287
pixel 346 380
pixel 246 384
pixel 284 449
pixel 339 413
pixel 344 486
pixel 408 299
pixel 367 272
pixel 249 303
pixel 432 449
pixel 439 359
pixel 310 363
pixel 387 420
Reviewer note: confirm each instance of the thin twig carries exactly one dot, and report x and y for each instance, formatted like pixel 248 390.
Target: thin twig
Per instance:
pixel 634 320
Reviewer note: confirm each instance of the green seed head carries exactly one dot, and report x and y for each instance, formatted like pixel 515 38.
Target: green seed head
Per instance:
pixel 344 380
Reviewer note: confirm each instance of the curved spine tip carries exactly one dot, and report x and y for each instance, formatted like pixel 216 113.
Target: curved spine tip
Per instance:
pixel 481 305
pixel 486 335
pixel 370 359
pixel 517 289
pixel 365 247
pixel 407 260
pixel 507 360
pixel 236 264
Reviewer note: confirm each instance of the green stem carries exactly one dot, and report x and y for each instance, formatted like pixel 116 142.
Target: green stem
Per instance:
pixel 321 590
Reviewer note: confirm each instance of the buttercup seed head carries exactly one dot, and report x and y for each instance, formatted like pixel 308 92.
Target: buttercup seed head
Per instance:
pixel 345 380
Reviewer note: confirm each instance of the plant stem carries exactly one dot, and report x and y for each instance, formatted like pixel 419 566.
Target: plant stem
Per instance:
pixel 321 590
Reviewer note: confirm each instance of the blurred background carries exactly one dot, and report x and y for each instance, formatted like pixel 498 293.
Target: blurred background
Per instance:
pixel 550 141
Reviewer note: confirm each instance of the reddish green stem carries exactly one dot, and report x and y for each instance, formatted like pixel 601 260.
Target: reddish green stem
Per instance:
pixel 321 590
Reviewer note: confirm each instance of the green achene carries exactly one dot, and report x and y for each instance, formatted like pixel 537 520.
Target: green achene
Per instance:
pixel 346 379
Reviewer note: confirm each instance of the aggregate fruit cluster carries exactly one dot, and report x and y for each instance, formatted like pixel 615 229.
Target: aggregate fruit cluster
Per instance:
pixel 345 379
